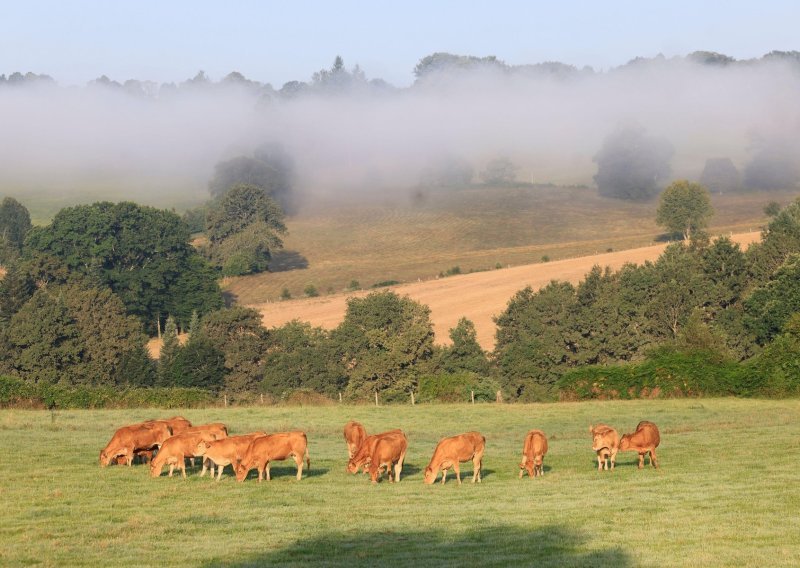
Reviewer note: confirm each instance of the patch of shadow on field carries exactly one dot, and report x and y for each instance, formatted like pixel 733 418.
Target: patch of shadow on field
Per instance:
pixel 278 472
pixel 495 546
pixel 286 260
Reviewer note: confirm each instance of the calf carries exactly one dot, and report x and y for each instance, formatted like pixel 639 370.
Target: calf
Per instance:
pixel 644 440
pixel 533 452
pixel 175 450
pixel 605 441
pixel 265 449
pixel 354 434
pixel 389 450
pixel 228 451
pixel 363 455
pixel 129 440
pixel 450 451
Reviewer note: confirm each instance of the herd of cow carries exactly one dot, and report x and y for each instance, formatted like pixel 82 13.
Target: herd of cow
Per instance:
pixel 172 441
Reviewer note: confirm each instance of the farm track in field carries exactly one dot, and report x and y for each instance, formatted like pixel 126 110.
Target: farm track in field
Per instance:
pixel 479 296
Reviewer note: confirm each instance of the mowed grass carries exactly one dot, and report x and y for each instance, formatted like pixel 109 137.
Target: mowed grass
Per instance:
pixel 331 243
pixel 726 492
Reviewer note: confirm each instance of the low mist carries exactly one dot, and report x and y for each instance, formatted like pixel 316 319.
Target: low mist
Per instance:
pixel 156 143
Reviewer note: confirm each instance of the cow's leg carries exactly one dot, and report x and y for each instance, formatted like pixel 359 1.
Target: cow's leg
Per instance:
pixel 171 469
pixel 457 469
pixel 444 475
pixel 266 471
pixel 219 472
pixel 298 459
pixel 476 469
pixel 599 463
pixel 613 459
pixel 183 468
pixel 653 460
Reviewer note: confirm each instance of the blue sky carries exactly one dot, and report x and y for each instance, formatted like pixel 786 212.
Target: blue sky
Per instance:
pixel 76 41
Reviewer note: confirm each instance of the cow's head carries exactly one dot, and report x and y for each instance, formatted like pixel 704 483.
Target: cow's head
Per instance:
pixel 430 475
pixel 241 471
pixel 201 448
pixel 352 466
pixel 599 440
pixel 104 459
pixel 625 442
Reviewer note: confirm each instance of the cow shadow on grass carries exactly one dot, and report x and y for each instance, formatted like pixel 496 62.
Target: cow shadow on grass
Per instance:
pixel 552 545
pixel 288 471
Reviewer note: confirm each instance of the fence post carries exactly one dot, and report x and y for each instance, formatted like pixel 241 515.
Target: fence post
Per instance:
pixel 472 396
pixel 412 398
pixel 262 398
pixel 340 397
pixel 226 400
pixel 376 398
pixel 499 396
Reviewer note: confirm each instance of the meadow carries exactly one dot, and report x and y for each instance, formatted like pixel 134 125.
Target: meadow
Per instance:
pixel 407 237
pixel 726 492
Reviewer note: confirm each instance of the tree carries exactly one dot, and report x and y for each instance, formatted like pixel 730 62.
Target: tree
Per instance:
pixel 237 332
pixel 16 288
pixel 170 346
pixel 780 239
pixel 302 356
pixel 770 306
pixel 774 165
pixel 500 171
pixel 534 340
pixel 630 165
pixel 74 334
pixel 720 176
pixel 243 229
pixel 465 354
pixel 383 342
pixel 142 253
pixel 15 222
pixel 198 364
pixel 685 208
pixel 270 168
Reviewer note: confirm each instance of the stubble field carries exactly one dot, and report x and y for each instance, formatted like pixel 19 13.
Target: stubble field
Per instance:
pixel 725 494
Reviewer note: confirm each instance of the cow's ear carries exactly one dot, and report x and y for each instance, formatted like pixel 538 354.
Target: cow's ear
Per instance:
pixel 591 428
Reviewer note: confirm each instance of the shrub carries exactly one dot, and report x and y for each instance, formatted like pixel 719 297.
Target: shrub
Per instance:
pixel 456 387
pixel 311 291
pixel 16 392
pixel 285 294
pixel 384 283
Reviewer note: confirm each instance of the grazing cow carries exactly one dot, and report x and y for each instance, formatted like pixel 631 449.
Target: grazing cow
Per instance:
pixel 177 424
pixel 533 452
pixel 128 440
pixel 363 455
pixel 389 450
pixel 645 441
pixel 354 434
pixel 280 446
pixel 224 452
pixel 450 451
pixel 605 441
pixel 175 450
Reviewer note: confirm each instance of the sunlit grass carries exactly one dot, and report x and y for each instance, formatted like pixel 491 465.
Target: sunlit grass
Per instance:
pixel 725 494
pixel 475 229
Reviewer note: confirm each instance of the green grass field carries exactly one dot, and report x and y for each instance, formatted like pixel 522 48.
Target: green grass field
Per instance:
pixel 331 243
pixel 726 492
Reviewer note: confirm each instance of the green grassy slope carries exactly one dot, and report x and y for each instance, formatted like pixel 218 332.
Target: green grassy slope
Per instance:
pixel 725 494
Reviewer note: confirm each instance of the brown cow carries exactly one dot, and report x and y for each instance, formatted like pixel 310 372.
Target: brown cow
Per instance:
pixel 363 455
pixel 450 451
pixel 280 446
pixel 175 450
pixel 605 441
pixel 645 441
pixel 227 451
pixel 354 434
pixel 533 452
pixel 177 424
pixel 128 440
pixel 389 450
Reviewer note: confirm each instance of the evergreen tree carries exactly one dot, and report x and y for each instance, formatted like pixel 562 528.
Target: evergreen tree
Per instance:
pixel 170 347
pixel 465 354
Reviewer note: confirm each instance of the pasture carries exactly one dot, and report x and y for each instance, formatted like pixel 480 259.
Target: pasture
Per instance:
pixel 332 242
pixel 726 492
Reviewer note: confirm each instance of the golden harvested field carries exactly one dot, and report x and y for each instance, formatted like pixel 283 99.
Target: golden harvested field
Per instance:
pixel 478 296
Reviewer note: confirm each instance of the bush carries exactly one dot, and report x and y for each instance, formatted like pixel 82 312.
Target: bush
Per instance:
pixel 456 387
pixel 311 291
pixel 384 283
pixel 666 373
pixel 16 392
